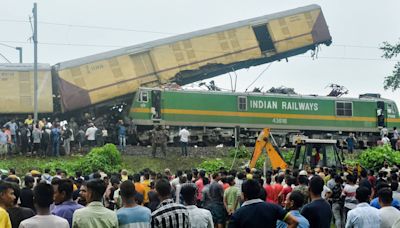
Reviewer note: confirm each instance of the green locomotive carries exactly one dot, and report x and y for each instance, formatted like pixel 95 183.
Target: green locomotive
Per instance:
pixel 316 115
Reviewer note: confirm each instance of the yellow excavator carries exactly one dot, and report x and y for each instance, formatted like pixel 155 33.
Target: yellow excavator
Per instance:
pixel 263 141
pixel 307 153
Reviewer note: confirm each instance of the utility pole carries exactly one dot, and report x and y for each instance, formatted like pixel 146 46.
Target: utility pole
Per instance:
pixel 35 65
pixel 20 53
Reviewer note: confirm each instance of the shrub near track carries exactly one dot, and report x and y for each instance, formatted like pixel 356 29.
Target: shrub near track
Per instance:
pixel 106 158
pixel 375 157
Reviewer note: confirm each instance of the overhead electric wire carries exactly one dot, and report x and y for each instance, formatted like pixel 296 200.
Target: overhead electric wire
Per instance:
pixel 91 27
pixel 262 72
pixel 5 58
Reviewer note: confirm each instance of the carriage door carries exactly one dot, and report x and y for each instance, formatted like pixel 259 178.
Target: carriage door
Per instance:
pixel 264 38
pixel 156 104
pixel 380 113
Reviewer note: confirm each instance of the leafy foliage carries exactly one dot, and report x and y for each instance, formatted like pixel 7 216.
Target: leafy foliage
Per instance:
pixel 287 155
pixel 389 51
pixel 211 166
pixel 374 158
pixel 260 161
pixel 106 158
pixel 241 152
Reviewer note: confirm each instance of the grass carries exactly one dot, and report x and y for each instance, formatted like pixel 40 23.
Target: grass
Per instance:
pixel 131 163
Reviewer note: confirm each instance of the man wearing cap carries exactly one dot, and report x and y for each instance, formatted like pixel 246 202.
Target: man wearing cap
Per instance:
pixel 303 185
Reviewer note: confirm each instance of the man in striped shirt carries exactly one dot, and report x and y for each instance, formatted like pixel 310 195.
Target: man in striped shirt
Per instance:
pixel 168 214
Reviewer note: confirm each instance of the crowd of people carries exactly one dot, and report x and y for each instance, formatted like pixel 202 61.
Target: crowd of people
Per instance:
pixel 46 138
pixel 319 197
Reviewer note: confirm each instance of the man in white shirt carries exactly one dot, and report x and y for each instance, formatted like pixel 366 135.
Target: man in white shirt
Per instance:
pixel 91 135
pixel 395 139
pixel 43 198
pixel 363 215
pixel 385 140
pixel 199 218
pixel 184 139
pixel 388 213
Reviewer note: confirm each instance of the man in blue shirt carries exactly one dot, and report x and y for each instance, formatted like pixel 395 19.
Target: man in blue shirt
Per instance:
pixel 121 135
pixel 132 215
pixel 294 201
pixel 318 212
pixel 65 206
pixel 375 201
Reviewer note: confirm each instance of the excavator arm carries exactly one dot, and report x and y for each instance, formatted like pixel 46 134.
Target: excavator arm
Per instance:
pixel 263 142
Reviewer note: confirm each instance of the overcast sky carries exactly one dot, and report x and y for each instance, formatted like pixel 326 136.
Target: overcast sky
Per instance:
pixel 77 28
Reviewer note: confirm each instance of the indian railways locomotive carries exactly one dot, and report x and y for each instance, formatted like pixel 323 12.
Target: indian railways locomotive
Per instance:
pixel 316 116
pixel 91 83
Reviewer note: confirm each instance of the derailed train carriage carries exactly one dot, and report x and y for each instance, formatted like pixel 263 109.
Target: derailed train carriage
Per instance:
pixel 315 116
pixel 97 83
pixel 114 76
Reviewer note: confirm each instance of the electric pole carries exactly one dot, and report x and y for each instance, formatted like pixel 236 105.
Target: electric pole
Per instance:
pixel 20 53
pixel 35 65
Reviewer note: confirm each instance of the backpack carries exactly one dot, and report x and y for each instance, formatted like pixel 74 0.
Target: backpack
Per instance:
pixel 337 194
pixel 67 134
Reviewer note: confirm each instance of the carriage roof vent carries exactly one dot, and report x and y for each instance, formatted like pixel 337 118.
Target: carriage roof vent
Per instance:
pixel 370 95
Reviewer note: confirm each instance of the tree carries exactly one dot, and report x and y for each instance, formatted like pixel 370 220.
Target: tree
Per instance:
pixel 389 51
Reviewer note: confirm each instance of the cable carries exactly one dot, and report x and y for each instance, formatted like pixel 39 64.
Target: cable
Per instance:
pixel 116 46
pixel 266 68
pixel 5 58
pixel 91 27
pixel 6 45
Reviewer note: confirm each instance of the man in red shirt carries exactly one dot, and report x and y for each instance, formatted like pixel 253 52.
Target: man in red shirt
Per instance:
pixel 200 185
pixel 286 190
pixel 277 187
pixel 269 189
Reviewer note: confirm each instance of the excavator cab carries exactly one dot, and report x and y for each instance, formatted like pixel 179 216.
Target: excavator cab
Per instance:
pixel 316 153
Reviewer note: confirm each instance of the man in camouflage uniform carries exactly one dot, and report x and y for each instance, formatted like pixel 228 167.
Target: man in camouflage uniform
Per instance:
pixel 159 139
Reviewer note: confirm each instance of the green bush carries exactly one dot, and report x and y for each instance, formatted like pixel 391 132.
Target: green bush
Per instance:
pixel 211 166
pixel 287 155
pixel 241 152
pixel 106 158
pixel 374 158
pixel 260 161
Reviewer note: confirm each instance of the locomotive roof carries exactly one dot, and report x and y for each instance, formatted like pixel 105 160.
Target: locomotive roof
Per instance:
pixel 148 45
pixel 23 66
pixel 371 99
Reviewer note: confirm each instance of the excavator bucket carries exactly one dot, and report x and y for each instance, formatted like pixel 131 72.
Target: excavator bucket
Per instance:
pixel 263 142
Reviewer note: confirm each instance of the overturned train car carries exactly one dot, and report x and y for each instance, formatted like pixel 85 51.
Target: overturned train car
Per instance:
pixel 190 57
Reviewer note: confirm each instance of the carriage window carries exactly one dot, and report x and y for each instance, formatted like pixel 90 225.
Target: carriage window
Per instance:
pixel 144 96
pixel 242 103
pixel 344 108
pixel 390 109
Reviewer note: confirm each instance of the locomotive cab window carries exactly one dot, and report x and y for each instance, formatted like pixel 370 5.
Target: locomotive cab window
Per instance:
pixel 143 96
pixel 242 103
pixel 344 108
